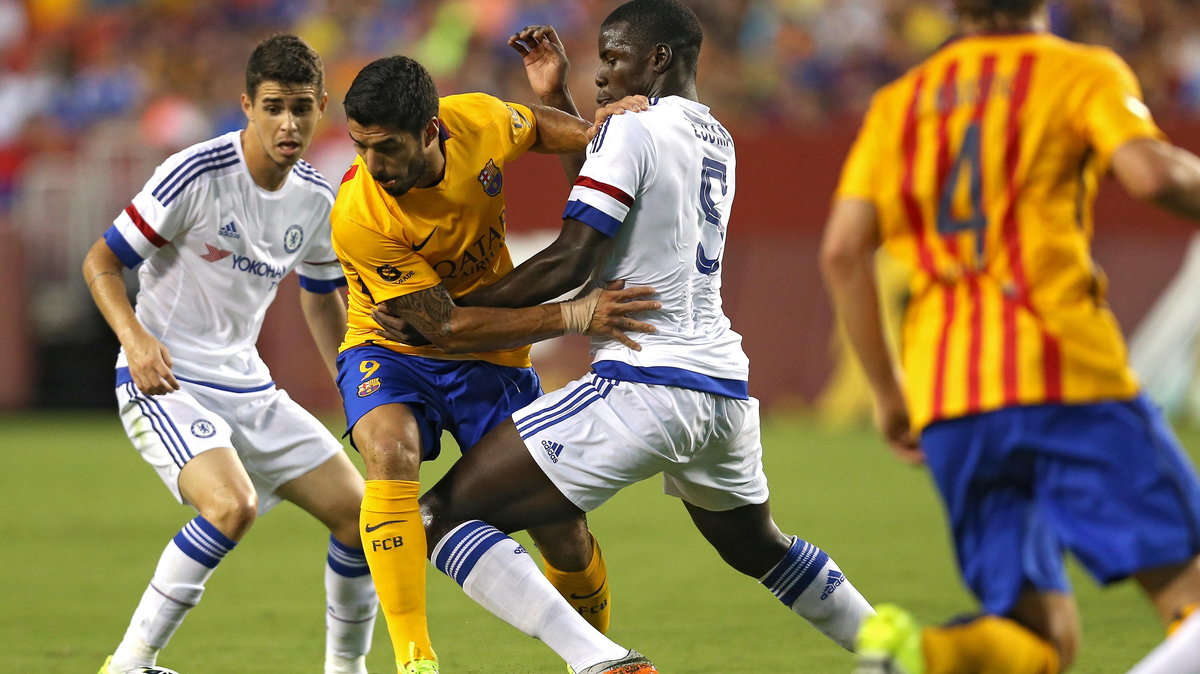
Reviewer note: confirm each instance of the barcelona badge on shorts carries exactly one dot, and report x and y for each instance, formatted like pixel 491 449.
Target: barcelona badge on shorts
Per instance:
pixel 491 178
pixel 368 387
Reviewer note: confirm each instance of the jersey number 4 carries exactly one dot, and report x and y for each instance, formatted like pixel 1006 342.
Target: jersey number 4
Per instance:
pixel 967 162
pixel 712 233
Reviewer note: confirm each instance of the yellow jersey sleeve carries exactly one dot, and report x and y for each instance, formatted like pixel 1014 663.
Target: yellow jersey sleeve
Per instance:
pixel 386 267
pixel 515 122
pixel 1113 112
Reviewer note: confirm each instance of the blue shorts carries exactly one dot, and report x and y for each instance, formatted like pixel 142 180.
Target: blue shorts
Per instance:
pixel 468 398
pixel 1106 481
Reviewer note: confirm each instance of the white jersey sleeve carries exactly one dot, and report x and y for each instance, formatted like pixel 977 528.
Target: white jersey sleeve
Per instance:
pixel 621 159
pixel 158 214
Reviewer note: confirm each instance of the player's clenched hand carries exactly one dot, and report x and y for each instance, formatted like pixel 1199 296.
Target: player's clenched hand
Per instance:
pixel 545 59
pixel 150 366
pixel 633 103
pixel 396 328
pixel 891 416
pixel 613 305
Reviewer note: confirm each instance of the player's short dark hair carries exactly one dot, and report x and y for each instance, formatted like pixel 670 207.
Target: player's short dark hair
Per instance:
pixel 285 59
pixel 985 9
pixel 669 22
pixel 394 91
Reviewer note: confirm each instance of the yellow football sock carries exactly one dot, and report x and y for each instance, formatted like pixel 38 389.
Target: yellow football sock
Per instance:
pixel 394 541
pixel 587 591
pixel 1183 615
pixel 987 645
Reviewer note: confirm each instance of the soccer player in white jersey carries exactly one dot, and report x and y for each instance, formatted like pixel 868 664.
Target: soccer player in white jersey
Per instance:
pixel 651 208
pixel 212 234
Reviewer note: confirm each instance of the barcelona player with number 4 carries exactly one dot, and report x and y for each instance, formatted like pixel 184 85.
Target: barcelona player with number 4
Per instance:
pixel 979 167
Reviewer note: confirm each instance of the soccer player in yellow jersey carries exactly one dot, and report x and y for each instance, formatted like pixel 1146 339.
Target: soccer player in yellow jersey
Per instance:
pixel 419 225
pixel 979 168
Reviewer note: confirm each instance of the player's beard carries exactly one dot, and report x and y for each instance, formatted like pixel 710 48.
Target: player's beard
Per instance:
pixel 416 170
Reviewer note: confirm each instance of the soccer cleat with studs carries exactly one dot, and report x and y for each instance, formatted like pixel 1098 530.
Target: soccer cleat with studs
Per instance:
pixel 632 663
pixel 889 642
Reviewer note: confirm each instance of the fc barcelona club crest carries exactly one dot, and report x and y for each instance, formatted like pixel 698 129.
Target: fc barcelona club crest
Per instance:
pixel 491 178
pixel 368 387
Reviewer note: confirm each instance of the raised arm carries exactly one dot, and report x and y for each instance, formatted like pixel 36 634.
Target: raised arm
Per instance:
pixel 149 360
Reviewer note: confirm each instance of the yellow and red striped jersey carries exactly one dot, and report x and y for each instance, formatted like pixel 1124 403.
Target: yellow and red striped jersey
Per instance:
pixel 983 164
pixel 452 233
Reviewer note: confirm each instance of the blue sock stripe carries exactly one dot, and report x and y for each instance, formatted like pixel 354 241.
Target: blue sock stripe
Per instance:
pixel 796 571
pixel 463 548
pixel 201 541
pixel 345 560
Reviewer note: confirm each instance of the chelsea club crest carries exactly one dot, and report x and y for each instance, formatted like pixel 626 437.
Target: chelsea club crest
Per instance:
pixel 292 238
pixel 203 428
pixel 491 178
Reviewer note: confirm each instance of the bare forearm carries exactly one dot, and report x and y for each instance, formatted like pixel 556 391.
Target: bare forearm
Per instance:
pixel 853 291
pixel 559 131
pixel 325 314
pixel 104 275
pixel 472 329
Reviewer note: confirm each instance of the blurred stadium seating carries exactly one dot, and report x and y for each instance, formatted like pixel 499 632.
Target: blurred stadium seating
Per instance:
pixel 95 93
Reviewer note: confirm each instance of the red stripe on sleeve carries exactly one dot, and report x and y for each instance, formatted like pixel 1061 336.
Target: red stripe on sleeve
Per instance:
pixel 615 193
pixel 144 227
pixel 350 173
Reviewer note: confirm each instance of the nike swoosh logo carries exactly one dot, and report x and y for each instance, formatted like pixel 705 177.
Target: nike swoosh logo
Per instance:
pixel 588 596
pixel 373 527
pixel 421 245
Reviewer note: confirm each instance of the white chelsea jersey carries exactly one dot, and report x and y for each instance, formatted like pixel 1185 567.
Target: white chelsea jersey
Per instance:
pixel 213 246
pixel 661 183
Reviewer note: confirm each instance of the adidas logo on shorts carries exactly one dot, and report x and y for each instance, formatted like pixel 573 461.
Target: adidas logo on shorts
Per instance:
pixel 553 449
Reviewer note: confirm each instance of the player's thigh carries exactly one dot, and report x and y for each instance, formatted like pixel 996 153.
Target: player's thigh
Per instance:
pixel 332 492
pixel 718 445
pixel 1118 489
pixel 216 483
pixel 276 439
pixel 394 408
pixel 596 436
pixel 172 430
pixel 1054 616
pixel 1002 541
pixel 500 483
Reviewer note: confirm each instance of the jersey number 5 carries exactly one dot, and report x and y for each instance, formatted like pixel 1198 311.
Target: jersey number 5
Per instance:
pixel 712 232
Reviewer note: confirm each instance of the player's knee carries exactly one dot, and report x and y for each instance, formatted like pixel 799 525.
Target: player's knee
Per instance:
pixel 389 458
pixel 232 514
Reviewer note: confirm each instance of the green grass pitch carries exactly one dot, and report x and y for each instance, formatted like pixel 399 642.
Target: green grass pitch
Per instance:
pixel 84 520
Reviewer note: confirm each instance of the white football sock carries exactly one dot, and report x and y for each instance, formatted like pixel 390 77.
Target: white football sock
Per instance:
pixel 1179 654
pixel 809 582
pixel 351 604
pixel 178 581
pixel 499 574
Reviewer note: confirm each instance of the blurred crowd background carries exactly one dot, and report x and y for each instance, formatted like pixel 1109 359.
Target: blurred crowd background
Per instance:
pixel 95 93
pixel 169 71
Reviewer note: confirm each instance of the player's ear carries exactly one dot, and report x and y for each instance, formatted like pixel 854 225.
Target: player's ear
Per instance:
pixel 432 130
pixel 324 102
pixel 660 60
pixel 247 107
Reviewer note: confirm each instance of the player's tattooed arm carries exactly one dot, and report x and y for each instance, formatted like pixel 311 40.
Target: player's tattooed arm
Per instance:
pixel 455 329
pixel 416 318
